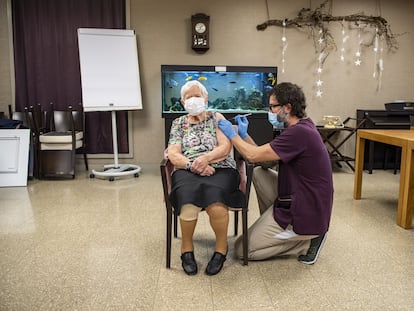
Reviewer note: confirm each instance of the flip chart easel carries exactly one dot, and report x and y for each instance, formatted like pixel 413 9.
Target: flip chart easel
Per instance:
pixel 110 82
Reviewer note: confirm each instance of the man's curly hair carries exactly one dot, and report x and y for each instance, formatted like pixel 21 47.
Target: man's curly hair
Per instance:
pixel 289 93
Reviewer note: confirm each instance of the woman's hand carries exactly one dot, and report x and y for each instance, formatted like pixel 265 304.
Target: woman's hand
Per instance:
pixel 199 164
pixel 208 171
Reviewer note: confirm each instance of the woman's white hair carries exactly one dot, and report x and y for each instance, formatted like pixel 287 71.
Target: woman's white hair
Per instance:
pixel 188 85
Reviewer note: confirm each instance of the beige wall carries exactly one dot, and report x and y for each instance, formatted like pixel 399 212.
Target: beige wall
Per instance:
pixel 163 34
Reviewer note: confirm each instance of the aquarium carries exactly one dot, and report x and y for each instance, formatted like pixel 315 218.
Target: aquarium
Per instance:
pixel 231 89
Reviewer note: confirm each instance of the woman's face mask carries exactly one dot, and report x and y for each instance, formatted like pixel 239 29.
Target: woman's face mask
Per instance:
pixel 194 105
pixel 273 119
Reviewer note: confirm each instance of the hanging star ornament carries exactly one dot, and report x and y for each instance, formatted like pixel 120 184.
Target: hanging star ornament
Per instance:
pixel 376 44
pixel 321 57
pixel 284 46
pixel 319 93
pixel 345 38
pixel 319 82
pixel 318 20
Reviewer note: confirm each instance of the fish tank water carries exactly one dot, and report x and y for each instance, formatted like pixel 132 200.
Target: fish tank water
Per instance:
pixel 231 89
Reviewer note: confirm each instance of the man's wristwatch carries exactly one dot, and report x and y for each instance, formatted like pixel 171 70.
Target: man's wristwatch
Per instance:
pixel 188 165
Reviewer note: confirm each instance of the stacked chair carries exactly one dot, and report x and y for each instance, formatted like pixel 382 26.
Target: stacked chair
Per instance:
pixel 27 122
pixel 37 120
pixel 57 147
pixel 57 136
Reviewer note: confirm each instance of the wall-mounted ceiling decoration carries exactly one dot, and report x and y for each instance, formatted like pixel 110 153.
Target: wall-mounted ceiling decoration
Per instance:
pixel 317 22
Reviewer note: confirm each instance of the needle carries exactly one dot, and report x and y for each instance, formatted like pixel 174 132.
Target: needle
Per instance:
pixel 244 115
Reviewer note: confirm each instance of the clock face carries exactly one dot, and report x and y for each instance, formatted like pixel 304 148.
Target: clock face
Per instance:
pixel 200 27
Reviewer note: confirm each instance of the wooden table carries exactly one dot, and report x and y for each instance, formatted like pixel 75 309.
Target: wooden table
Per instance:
pixel 405 140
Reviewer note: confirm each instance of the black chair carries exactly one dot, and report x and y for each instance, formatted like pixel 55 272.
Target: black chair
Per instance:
pixel 62 122
pixel 58 147
pixel 24 117
pixel 27 118
pixel 246 172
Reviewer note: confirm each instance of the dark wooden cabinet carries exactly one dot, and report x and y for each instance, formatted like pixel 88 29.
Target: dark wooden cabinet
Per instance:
pixel 378 155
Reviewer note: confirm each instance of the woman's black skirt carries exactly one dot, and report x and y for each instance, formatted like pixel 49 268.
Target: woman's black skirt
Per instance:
pixel 223 186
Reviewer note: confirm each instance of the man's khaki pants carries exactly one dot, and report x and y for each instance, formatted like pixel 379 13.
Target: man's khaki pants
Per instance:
pixel 263 242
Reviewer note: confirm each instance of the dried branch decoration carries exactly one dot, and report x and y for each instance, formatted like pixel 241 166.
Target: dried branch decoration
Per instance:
pixel 318 19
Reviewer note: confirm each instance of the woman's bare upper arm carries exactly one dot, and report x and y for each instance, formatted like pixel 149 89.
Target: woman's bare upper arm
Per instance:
pixel 221 138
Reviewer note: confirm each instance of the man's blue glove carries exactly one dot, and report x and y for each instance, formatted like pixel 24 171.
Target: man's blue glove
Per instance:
pixel 227 128
pixel 243 124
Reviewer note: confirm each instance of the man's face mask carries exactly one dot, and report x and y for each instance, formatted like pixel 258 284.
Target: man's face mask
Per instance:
pixel 273 119
pixel 194 105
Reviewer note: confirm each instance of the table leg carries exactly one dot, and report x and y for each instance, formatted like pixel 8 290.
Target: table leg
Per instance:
pixel 405 198
pixel 359 166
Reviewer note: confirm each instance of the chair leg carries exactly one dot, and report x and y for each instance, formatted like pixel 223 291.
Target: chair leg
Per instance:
pixel 85 158
pixel 370 156
pixel 175 225
pixel 168 250
pixel 245 238
pixel 36 168
pixel 236 223
pixel 397 157
pixel 386 154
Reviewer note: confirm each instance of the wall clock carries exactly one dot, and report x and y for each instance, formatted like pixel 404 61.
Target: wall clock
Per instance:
pixel 200 32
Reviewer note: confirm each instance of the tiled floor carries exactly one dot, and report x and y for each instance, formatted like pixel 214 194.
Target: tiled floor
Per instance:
pixel 91 244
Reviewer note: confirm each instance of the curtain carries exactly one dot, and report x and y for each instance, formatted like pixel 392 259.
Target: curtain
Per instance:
pixel 47 60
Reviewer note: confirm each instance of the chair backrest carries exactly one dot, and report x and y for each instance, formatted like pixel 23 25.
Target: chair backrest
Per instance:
pixel 245 169
pixel 28 119
pixel 22 116
pixel 63 121
pixel 40 119
pixel 78 119
pixel 167 169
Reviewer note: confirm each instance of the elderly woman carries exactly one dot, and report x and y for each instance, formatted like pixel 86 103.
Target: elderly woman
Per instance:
pixel 205 175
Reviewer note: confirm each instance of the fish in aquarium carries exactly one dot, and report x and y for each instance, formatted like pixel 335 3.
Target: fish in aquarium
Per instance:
pixel 172 83
pixel 229 91
pixel 271 78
